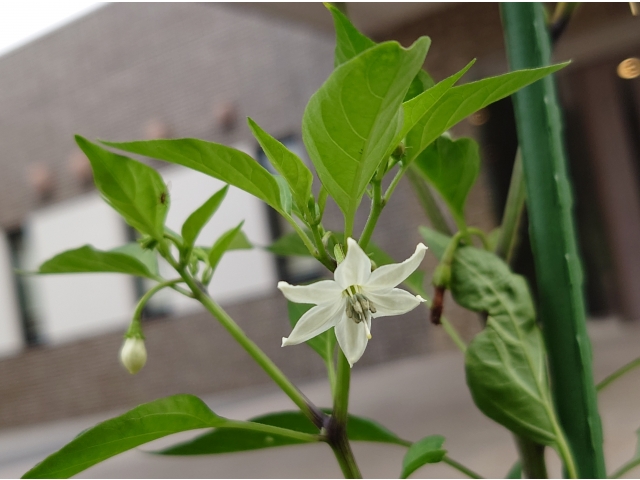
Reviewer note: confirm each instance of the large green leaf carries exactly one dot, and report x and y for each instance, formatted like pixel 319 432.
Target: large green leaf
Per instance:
pixel 135 190
pixel 148 257
pixel 219 161
pixel 461 101
pixel 287 163
pixel 198 219
pixel 136 427
pixel 323 344
pixel 427 450
pixel 223 441
pixel 349 41
pixel 87 259
pixel 505 363
pixel 353 122
pixel 452 167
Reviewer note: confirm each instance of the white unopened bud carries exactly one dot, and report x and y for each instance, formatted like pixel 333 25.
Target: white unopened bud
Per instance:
pixel 133 354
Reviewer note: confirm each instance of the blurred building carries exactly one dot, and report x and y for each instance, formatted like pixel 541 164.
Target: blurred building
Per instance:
pixel 130 71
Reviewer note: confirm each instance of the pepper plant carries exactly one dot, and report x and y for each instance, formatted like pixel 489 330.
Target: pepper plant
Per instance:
pixel 378 117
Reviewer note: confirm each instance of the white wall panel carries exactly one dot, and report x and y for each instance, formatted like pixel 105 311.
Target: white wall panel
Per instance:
pixel 11 340
pixel 79 305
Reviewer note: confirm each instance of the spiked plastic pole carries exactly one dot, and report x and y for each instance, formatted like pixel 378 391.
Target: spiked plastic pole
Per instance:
pixel 553 239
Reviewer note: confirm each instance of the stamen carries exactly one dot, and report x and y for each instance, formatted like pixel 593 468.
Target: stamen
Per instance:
pixel 366 327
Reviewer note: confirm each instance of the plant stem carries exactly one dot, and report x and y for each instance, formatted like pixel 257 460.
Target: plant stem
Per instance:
pixel 513 212
pixel 301 233
pixel 285 432
pixel 337 434
pixel 630 465
pixel 461 468
pixel 531 458
pixel 394 182
pixel 377 204
pixel 553 238
pixel 481 235
pixel 200 294
pixel 617 374
pixel 322 256
pixel 428 202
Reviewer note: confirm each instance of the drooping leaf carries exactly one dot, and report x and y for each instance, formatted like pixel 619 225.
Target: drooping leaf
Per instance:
pixel 198 219
pixel 324 343
pixel 135 190
pixel 461 101
pixel 452 167
pixel 349 41
pixel 219 161
pixel 436 241
pixel 427 450
pixel 138 426
pixel 224 441
pixel 87 259
pixel 222 245
pixel 287 163
pixel 289 244
pixel 505 363
pixel 353 122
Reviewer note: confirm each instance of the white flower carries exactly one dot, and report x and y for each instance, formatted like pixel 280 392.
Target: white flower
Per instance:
pixel 133 354
pixel 350 301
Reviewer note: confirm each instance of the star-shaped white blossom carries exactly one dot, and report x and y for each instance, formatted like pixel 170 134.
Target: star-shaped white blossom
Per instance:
pixel 350 301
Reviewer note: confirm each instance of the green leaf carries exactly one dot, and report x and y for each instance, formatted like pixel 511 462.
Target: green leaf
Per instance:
pixel 240 242
pixel 515 471
pixel 420 83
pixel 289 244
pixel 138 426
pixel 427 450
pixel 197 220
pixel 224 441
pixel 417 109
pixel 436 241
pixel 147 257
pixel 135 190
pixel 287 163
pixel 87 259
pixel 353 122
pixel 349 41
pixel 286 198
pixel 461 101
pixel 324 343
pixel 505 363
pixel 222 245
pixel 452 167
pixel 219 161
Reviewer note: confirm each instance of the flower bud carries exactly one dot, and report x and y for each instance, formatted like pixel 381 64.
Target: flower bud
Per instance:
pixel 442 276
pixel 133 354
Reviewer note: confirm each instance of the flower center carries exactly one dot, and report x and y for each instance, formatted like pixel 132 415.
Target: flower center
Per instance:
pixel 359 307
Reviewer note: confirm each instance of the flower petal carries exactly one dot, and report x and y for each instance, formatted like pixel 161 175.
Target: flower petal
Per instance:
pixel 352 338
pixel 356 267
pixel 392 302
pixel 314 322
pixel 389 276
pixel 320 292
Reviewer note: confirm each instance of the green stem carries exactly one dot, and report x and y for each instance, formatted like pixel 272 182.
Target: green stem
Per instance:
pixel 630 465
pixel 284 432
pixel 554 243
pixel 312 412
pixel 565 454
pixel 531 457
pixel 429 204
pixel 481 235
pixel 394 182
pixel 137 314
pixel 461 468
pixel 617 374
pixel 377 204
pixel 338 427
pixel 322 256
pixel 513 213
pixel 301 233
